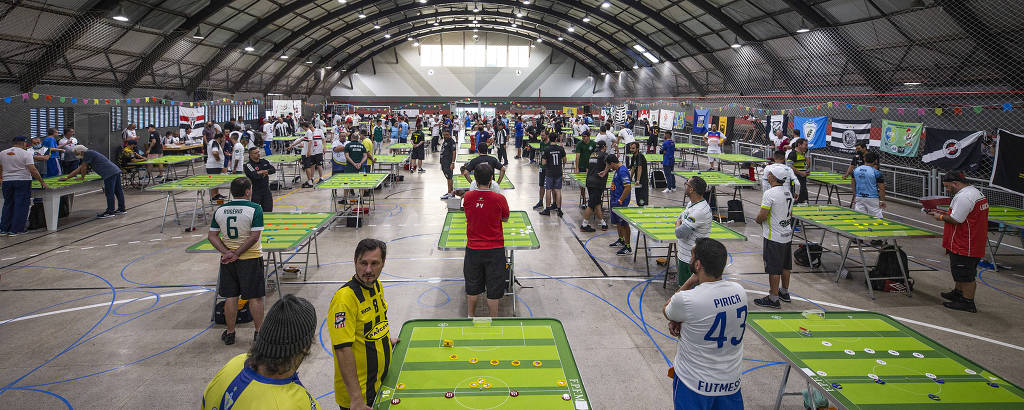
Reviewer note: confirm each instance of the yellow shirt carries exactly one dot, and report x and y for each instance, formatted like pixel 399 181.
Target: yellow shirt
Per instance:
pixel 238 387
pixel 368 143
pixel 360 321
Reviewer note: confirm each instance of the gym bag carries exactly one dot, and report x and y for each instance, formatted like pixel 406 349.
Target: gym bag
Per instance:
pixel 800 255
pixel 243 312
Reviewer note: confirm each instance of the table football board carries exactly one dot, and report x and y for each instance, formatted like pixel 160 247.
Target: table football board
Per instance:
pixel 281 231
pixel 1006 215
pixel 737 158
pixel 390 159
pixel 716 178
pixel 828 178
pixel 483 364
pixel 464 145
pixel 56 183
pixel 465 157
pixel 169 159
pixel 354 181
pixel 867 360
pixel 689 146
pixel 401 145
pixel 460 183
pixel 534 145
pixel 858 225
pixel 286 138
pixel 283 158
pixel 659 223
pixel 654 157
pixel 581 179
pixel 197 182
pixel 518 232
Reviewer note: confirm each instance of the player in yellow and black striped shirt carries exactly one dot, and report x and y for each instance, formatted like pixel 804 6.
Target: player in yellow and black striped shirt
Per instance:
pixel 359 331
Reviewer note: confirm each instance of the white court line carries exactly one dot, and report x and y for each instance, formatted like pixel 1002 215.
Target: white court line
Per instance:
pixel 117 302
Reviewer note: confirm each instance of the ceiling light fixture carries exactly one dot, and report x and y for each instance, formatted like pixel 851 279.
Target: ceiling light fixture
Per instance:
pixel 586 19
pixel 570 29
pixel 423 1
pixel 416 43
pixel 249 48
pixel 561 38
pixel 605 5
pixel 309 62
pixel 639 48
pixel 342 1
pixel 635 66
pixel 362 15
pixel 120 16
pixel 532 45
pixel 328 67
pixel 604 73
pixel 284 57
pixel 650 57
pixel 735 42
pixel 735 45
pixel 386 35
pixel 199 34
pixel 540 40
pixel 476 36
pixel 476 30
pixel 526 1
pixel 911 83
pixel 803 27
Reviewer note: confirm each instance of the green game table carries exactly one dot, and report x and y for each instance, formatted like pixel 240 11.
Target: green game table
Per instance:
pixel 518 233
pixel 55 189
pixel 390 164
pixel 357 182
pixel 182 147
pixel 401 146
pixel 464 145
pixel 460 183
pixel 658 224
pixel 717 179
pixel 855 227
pixel 689 146
pixel 286 138
pixel 831 181
pixel 465 157
pixel 580 179
pixel 170 161
pixel 1008 217
pixel 283 160
pixel 846 352
pixel 534 145
pixel 533 359
pixel 736 158
pixel 390 159
pixel 198 183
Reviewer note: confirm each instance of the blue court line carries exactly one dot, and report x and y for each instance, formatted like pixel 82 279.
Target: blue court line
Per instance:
pixel 985 282
pixel 760 366
pixel 641 317
pixel 156 301
pixel 61 398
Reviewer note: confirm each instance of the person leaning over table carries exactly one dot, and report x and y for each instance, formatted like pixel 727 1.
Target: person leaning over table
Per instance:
pixel 17 171
pixel 108 171
pixel 258 170
pixel 359 331
pixel 964 236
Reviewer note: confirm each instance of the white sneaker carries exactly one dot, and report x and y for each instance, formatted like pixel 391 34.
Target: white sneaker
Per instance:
pixel 666 190
pixel 446 196
pixel 673 190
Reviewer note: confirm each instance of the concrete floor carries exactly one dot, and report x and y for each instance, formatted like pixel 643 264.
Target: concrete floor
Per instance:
pixel 75 343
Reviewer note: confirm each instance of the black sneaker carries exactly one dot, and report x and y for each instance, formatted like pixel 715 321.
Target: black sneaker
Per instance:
pixel 587 228
pixel 624 251
pixel 953 295
pixel 583 206
pixel 255 335
pixel 784 296
pixel 106 215
pixel 539 205
pixel 296 179
pixel 307 184
pixel 961 304
pixel 320 181
pixel 228 338
pixel 218 197
pixel 618 242
pixel 604 226
pixel 120 212
pixel 546 211
pixel 559 211
pixel 767 302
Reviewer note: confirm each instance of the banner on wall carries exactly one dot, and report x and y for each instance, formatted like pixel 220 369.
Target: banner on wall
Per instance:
pixel 845 134
pixel 1008 169
pixel 666 119
pixel 775 125
pixel 901 138
pixel 724 125
pixel 700 121
pixel 285 107
pixel 570 111
pixel 644 114
pixel 953 150
pixel 191 120
pixel 814 129
pixel 680 120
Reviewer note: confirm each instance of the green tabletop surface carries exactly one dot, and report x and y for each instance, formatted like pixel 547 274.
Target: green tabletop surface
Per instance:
pixel 400 145
pixel 858 225
pixel 56 183
pixel 534 145
pixel 286 138
pixel 354 181
pixel 518 232
pixel 581 179
pixel 283 158
pixel 716 178
pixel 487 360
pixel 181 147
pixel 846 352
pixel 196 182
pixel 168 159
pixel 460 183
pixel 833 178
pixel 654 157
pixel 689 146
pixel 1006 215
pixel 659 223
pixel 327 147
pixel 390 159
pixel 464 145
pixel 465 157
pixel 736 158
pixel 282 231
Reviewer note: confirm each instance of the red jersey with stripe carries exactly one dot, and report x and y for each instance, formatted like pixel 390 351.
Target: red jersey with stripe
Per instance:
pixel 485 210
pixel 968 238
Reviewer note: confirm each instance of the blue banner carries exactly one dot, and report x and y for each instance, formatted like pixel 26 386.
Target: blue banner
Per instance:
pixel 700 121
pixel 814 129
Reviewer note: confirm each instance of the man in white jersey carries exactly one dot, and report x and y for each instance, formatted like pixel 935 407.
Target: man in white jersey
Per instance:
pixel 625 137
pixel 238 150
pixel 779 159
pixel 311 147
pixel 268 135
pixel 691 225
pixel 710 322
pixel 714 141
pixel 777 230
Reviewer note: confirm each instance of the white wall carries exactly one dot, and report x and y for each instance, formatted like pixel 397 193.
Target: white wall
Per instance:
pixel 549 77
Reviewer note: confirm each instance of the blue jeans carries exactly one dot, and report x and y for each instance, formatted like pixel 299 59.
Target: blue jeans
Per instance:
pixel 17 197
pixel 670 178
pixel 266 146
pixel 111 188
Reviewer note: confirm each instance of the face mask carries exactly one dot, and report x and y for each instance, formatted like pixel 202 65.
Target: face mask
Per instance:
pixel 37 146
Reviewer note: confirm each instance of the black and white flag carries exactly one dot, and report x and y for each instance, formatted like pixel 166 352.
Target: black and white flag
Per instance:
pixel 952 150
pixel 846 133
pixel 1008 170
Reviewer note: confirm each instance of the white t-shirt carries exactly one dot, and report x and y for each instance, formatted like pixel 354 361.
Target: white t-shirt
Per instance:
pixel 268 131
pixel 697 221
pixel 714 143
pixel 494 187
pixel 626 136
pixel 338 156
pixel 318 142
pixel 709 354
pixel 961 205
pixel 237 157
pixel 67 144
pixel 15 162
pixel 608 137
pixel 578 129
pixel 214 148
pixel 779 202
pixel 792 176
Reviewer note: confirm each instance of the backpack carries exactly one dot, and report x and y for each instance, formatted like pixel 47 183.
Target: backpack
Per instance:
pixel 658 179
pixel 888 266
pixel 735 214
pixel 243 312
pixel 800 255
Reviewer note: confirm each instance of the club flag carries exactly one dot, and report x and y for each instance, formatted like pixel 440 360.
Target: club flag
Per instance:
pixel 901 138
pixel 700 121
pixel 814 129
pixel 845 134
pixel 1008 170
pixel 192 117
pixel 776 124
pixel 680 120
pixel 666 117
pixel 952 150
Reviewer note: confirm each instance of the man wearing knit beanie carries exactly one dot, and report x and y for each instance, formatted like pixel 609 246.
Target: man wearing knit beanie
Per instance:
pixel 267 375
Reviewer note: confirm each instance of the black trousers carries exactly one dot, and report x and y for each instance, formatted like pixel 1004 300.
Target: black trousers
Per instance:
pixel 264 198
pixel 501 153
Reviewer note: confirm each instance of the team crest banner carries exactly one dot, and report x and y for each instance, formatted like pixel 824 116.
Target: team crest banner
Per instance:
pixel 700 121
pixel 814 129
pixel 953 150
pixel 845 134
pixel 901 138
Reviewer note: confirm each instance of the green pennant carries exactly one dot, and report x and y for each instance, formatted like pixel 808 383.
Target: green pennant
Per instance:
pixel 977 109
pixel 62 99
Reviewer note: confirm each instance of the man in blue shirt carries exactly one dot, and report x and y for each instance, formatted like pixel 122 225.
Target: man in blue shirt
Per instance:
pixel 52 164
pixel 107 170
pixel 403 130
pixel 621 188
pixel 869 187
pixel 668 162
pixel 520 128
pixel 481 137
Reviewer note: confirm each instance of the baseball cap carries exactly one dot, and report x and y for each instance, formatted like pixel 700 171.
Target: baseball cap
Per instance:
pixel 780 173
pixel 20 138
pixel 954 177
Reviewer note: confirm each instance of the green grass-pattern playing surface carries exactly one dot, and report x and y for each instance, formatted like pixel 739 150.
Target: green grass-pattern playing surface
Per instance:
pixel 828 178
pixel 465 157
pixel 736 158
pixel 1006 215
pixel 460 183
pixel 196 182
pixel 464 145
pixel 401 145
pixel 856 224
pixel 354 181
pixel 654 157
pixel 716 178
pixel 422 370
pixel 391 159
pixel 169 159
pixel 659 223
pixel 534 145
pixel 689 146
pixel 286 138
pixel 281 231
pixel 581 179
pixel 283 158
pixel 845 347
pixel 518 231
pixel 56 183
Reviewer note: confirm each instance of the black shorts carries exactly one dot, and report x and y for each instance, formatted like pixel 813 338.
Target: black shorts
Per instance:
pixel 777 257
pixel 485 269
pixel 214 171
pixel 447 170
pixel 540 177
pixel 594 196
pixel 311 161
pixel 417 153
pixel 243 277
pixel 963 268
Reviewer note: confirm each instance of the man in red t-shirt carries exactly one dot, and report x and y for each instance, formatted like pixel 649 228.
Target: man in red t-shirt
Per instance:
pixel 964 237
pixel 484 264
